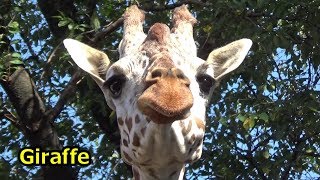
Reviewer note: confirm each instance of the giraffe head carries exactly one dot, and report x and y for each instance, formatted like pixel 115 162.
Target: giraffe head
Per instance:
pixel 159 88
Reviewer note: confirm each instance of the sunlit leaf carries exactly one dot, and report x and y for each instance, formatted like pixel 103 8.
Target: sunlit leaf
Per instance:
pixel 264 116
pixel 248 123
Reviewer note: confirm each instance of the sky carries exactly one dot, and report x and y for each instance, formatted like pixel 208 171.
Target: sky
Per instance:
pixel 279 57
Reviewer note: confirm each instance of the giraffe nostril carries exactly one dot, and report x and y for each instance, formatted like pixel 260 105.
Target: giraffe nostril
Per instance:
pixel 154 76
pixel 181 76
pixel 156 73
pixel 162 73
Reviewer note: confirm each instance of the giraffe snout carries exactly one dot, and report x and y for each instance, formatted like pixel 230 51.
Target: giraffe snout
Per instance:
pixel 167 96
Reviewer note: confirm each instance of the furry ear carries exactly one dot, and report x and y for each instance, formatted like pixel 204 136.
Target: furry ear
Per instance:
pixel 89 59
pixel 229 57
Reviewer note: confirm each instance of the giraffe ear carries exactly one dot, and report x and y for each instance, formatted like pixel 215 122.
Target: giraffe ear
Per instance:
pixel 91 60
pixel 229 57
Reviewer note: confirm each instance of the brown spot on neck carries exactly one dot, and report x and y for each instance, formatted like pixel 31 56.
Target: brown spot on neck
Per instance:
pixel 120 121
pixel 136 174
pixel 192 139
pixel 152 173
pixel 127 157
pixel 137 119
pixel 129 123
pixel 136 140
pixel 200 124
pixel 186 130
pixel 125 142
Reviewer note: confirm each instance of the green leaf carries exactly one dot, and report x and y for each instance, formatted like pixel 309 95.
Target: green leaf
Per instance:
pixel 223 120
pixel 241 118
pixel 13 27
pixel 16 62
pixel 266 170
pixel 266 154
pixel 313 109
pixel 95 21
pixel 264 116
pixel 248 123
pixel 15 55
pixel 63 23
pixel 112 115
pixel 17 9
pixel 309 151
pixel 70 26
pixel 207 29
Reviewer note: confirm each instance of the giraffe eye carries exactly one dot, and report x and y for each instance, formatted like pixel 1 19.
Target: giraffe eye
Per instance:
pixel 205 82
pixel 115 85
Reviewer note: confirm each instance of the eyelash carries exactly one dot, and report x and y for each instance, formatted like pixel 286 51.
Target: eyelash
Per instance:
pixel 115 85
pixel 205 82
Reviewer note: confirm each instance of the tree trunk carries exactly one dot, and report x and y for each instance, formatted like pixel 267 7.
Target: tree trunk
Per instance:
pixel 32 119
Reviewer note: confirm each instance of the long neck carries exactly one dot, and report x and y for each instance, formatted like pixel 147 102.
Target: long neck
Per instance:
pixel 160 154
pixel 171 172
pixel 160 151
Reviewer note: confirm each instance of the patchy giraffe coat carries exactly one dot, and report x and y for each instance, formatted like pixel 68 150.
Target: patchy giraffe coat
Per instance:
pixel 159 89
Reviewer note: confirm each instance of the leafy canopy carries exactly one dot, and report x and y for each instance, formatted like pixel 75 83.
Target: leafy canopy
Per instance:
pixel 264 121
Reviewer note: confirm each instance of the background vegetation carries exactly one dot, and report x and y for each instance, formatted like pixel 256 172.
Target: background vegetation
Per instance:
pixel 264 121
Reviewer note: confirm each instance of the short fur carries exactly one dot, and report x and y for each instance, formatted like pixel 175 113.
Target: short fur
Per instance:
pixel 161 108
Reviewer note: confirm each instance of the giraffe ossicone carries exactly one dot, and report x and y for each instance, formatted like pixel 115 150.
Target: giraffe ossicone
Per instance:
pixel 159 90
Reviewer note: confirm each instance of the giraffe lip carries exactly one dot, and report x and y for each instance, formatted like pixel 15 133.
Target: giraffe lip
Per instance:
pixel 161 117
pixel 166 113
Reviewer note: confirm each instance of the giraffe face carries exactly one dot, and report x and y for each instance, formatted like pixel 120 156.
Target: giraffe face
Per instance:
pixel 163 87
pixel 159 89
pixel 161 80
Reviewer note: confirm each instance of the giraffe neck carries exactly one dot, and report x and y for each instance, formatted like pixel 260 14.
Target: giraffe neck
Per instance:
pixel 160 151
pixel 174 172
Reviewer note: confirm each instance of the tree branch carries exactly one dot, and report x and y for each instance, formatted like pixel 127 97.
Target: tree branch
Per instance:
pixel 296 152
pixel 312 154
pixel 40 132
pixel 107 30
pixel 54 8
pixel 262 143
pixel 64 96
pixel 91 5
pixel 317 78
pixel 50 60
pixel 15 121
pixel 22 93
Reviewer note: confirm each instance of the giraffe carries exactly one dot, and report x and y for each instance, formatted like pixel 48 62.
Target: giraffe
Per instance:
pixel 159 90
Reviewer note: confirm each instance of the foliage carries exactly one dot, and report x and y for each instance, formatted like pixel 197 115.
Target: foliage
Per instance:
pixel 264 120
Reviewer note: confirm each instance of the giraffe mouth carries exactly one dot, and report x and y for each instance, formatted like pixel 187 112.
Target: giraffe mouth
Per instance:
pixel 166 101
pixel 159 116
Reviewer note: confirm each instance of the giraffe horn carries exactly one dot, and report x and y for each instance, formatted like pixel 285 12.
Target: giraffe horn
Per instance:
pixel 133 34
pixel 183 22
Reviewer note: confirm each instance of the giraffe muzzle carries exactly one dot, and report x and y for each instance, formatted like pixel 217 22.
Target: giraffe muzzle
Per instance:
pixel 167 96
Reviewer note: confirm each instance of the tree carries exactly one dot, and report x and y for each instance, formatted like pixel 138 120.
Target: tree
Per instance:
pixel 264 120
